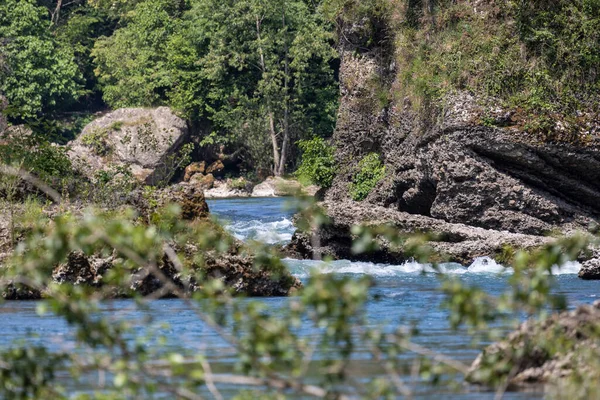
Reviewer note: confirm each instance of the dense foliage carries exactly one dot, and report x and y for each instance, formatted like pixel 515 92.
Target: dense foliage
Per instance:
pixel 318 165
pixel 38 73
pixel 260 71
pixel 370 171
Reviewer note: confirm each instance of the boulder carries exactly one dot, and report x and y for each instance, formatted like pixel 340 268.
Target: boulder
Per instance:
pixel 146 140
pixel 277 186
pixel 215 168
pixel 590 269
pixel 194 168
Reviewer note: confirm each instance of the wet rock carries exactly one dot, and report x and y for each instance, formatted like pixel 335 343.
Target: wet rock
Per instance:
pixel 590 269
pixel 17 291
pixel 531 354
pixel 239 273
pixel 194 168
pixel 145 140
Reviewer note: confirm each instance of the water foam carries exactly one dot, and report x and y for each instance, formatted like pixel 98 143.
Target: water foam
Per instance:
pixel 481 265
pixel 267 232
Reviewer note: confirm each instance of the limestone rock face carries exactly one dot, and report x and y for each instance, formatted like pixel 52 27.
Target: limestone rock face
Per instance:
pixel 146 140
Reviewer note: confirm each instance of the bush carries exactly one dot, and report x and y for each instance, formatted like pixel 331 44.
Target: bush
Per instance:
pixel 317 165
pixel 36 155
pixel 370 172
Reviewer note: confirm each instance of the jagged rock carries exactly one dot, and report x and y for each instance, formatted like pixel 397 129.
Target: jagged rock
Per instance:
pixel 590 269
pixel 239 273
pixel 194 168
pixel 193 203
pixel 77 270
pixel 145 140
pixel 15 291
pixel 449 173
pixel 531 355
pixel 203 182
pixel 189 197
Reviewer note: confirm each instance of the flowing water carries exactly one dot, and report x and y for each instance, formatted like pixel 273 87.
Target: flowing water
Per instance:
pixel 402 294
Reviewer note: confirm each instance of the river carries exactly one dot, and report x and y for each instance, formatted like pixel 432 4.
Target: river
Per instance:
pixel 401 294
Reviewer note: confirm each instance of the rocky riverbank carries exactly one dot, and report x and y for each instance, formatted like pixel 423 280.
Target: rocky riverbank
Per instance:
pixel 237 267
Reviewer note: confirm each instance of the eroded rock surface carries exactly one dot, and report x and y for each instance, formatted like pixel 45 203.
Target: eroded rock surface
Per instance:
pixel 143 139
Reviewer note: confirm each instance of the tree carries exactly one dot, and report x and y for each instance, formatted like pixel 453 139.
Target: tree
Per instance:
pixel 39 75
pixel 131 64
pixel 265 71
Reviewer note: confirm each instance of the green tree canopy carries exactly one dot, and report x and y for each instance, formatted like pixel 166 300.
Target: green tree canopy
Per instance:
pixel 38 74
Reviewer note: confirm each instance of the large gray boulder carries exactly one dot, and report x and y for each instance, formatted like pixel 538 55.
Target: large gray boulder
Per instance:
pixel 145 139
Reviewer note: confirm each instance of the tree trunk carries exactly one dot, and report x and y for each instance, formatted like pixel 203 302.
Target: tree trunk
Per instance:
pixel 286 113
pixel 270 115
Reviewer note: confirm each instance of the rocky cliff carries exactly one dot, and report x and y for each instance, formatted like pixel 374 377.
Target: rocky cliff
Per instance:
pixel 462 164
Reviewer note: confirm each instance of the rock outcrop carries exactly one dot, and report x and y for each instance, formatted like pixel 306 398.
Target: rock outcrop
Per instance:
pixel 446 171
pixel 277 186
pixel 145 140
pixel 541 352
pixel 590 269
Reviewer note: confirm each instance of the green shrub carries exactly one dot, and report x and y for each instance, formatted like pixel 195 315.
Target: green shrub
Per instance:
pixel 370 172
pixel 36 155
pixel 240 183
pixel 317 165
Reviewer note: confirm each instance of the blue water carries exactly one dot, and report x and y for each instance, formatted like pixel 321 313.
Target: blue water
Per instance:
pixel 402 294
